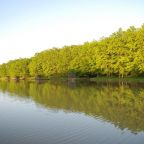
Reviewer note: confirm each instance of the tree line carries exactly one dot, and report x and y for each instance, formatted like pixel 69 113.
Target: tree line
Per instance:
pixel 121 54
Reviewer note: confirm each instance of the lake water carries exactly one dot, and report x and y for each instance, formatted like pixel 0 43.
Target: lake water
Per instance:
pixel 71 113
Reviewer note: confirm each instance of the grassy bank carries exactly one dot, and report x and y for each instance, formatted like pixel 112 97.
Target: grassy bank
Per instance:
pixel 116 79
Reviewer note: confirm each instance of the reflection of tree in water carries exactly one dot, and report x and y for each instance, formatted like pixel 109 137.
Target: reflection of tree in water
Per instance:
pixel 121 105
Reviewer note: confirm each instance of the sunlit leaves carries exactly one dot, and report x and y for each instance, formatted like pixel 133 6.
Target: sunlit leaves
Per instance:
pixel 121 54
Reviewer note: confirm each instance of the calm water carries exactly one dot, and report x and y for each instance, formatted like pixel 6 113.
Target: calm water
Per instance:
pixel 71 113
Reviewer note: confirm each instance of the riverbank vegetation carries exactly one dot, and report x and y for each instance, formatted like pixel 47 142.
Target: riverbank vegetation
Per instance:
pixel 119 55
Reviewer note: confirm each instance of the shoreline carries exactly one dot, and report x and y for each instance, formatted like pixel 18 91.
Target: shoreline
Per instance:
pixel 93 79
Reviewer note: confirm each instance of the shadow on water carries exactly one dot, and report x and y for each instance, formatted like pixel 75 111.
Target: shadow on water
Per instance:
pixel 119 103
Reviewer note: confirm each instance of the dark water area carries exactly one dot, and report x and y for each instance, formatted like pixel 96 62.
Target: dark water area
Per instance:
pixel 71 113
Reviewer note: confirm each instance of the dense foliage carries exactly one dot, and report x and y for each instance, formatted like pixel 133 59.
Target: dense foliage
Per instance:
pixel 121 54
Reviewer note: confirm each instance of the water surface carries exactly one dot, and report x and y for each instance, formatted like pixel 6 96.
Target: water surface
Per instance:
pixel 71 113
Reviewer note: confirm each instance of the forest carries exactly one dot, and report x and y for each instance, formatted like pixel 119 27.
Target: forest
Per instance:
pixel 121 55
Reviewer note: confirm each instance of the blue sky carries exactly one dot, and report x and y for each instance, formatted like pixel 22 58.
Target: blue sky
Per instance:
pixel 30 26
